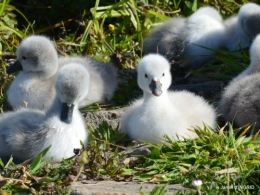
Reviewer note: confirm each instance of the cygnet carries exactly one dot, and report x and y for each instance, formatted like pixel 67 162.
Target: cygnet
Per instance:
pixel 160 111
pixel 38 61
pixel 243 28
pixel 26 132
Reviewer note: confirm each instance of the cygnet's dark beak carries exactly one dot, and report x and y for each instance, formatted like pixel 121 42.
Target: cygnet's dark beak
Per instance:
pixel 14 67
pixel 156 87
pixel 66 113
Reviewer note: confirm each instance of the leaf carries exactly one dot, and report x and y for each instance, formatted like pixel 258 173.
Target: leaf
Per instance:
pixel 220 133
pixel 255 136
pixel 153 172
pixel 224 171
pixel 239 141
pixel 159 190
pixel 1 163
pixel 255 162
pixel 194 6
pixel 245 130
pixel 182 169
pixel 128 172
pixel 158 15
pixel 37 162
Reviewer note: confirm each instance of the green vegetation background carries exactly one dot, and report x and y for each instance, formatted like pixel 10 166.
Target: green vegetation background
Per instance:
pixel 97 29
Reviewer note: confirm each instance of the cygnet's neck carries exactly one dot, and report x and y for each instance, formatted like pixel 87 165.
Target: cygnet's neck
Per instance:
pixel 254 66
pixel 148 97
pixel 38 75
pixel 56 108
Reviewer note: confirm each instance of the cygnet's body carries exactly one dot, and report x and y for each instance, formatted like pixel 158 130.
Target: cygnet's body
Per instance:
pixel 161 112
pixel 240 102
pixel 243 28
pixel 204 28
pixel 26 132
pixel 39 62
pixel 164 39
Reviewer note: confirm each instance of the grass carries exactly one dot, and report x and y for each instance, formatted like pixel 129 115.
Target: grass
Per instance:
pixel 223 160
pixel 218 159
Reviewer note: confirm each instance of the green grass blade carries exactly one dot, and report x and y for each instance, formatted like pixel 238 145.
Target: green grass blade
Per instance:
pixel 37 163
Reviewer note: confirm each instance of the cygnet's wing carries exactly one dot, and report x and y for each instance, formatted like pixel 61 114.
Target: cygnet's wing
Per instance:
pixel 194 108
pixel 109 75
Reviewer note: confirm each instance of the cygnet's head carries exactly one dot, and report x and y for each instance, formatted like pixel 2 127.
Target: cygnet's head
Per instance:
pixel 36 54
pixel 72 84
pixel 154 74
pixel 249 19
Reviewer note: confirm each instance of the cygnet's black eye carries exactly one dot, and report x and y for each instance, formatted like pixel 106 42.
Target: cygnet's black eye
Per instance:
pixel 145 75
pixel 163 74
pixel 24 58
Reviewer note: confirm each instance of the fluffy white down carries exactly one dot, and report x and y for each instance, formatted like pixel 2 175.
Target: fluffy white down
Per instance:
pixel 204 28
pixel 24 133
pixel 171 113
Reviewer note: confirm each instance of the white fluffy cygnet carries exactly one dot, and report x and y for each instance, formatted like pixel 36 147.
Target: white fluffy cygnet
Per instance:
pixel 160 111
pixel 38 61
pixel 165 39
pixel 243 28
pixel 240 103
pixel 203 31
pixel 26 132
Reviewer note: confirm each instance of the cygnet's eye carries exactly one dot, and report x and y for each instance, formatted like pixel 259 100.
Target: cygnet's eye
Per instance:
pixel 145 75
pixel 163 74
pixel 24 58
